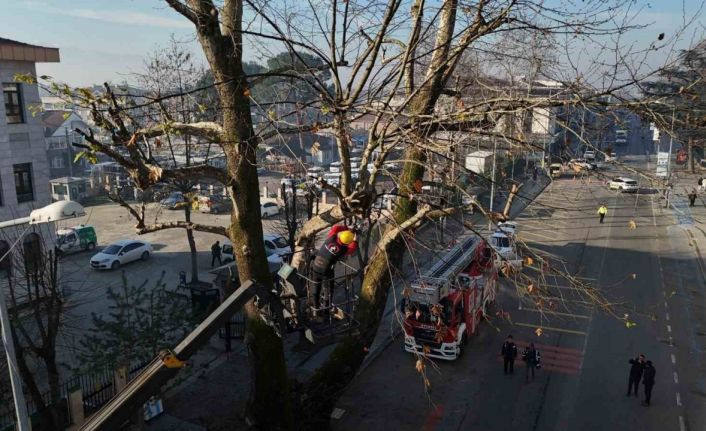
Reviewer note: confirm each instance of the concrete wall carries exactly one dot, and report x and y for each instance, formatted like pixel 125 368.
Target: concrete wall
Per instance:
pixel 22 143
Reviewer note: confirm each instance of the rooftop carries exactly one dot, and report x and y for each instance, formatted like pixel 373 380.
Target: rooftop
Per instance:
pixel 20 51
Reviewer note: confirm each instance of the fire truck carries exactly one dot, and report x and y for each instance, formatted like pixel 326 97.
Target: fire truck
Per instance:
pixel 446 304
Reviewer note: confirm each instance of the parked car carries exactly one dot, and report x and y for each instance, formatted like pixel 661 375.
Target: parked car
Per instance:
pixel 579 164
pixel 290 183
pixel 215 204
pixel 72 239
pixel 274 260
pixel 120 253
pixel 556 169
pixel 625 185
pixel 268 209
pixel 277 244
pixel 173 201
pixel 589 155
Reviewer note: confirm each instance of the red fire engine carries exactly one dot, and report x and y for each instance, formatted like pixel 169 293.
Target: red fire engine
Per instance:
pixel 447 303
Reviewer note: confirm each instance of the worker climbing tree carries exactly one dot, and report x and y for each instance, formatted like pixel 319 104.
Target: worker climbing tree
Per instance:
pixel 340 242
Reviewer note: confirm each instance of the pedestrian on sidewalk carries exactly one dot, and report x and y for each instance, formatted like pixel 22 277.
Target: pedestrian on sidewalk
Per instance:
pixel 535 173
pixel 602 211
pixel 509 353
pixel 692 197
pixel 531 357
pixel 637 366
pixel 216 253
pixel 648 379
pixel 700 183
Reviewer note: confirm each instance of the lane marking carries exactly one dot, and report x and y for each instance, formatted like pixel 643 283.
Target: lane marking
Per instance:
pixel 682 425
pixel 674 359
pixel 678 399
pixel 549 328
pixel 667 317
pixel 558 313
pixel 669 328
pixel 676 377
pixel 666 305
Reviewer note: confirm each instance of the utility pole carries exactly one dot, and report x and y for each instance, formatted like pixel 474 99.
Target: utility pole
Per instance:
pixel 671 139
pixel 492 184
pixel 69 150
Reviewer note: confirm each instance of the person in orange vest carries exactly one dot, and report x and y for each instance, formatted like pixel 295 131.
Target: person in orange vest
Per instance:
pixel 339 243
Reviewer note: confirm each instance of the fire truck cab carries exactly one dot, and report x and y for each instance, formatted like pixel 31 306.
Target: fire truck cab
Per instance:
pixel 447 303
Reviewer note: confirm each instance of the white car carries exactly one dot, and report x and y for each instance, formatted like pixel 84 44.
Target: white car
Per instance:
pixel 274 260
pixel 589 155
pixel 277 244
pixel 625 185
pixel 120 253
pixel 268 209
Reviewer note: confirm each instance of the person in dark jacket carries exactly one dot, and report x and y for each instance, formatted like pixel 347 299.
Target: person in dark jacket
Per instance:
pixel 692 198
pixel 509 353
pixel 531 357
pixel 648 379
pixel 216 253
pixel 339 243
pixel 637 365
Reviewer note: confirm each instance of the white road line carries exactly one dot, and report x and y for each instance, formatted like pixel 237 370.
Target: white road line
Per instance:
pixel 682 425
pixel 666 305
pixel 678 399
pixel 674 359
pixel 676 377
pixel 669 328
pixel 667 317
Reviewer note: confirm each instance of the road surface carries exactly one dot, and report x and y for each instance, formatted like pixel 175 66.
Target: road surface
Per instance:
pixel 653 274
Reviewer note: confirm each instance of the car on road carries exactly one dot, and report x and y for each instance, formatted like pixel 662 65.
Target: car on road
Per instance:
pixel 623 184
pixel 589 155
pixel 173 201
pixel 268 209
pixel 580 164
pixel 121 252
pixel 215 204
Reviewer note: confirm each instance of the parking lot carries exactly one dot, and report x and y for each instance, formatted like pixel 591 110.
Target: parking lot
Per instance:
pixel 86 288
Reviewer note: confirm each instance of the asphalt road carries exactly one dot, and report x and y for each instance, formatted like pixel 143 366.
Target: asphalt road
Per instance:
pixel 651 273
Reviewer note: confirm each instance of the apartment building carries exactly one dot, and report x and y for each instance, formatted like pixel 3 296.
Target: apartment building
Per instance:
pixel 24 172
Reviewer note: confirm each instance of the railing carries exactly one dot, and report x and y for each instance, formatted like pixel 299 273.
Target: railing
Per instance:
pixel 97 389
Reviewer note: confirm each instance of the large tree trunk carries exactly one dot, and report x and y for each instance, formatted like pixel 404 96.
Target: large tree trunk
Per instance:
pixel 269 406
pixel 192 246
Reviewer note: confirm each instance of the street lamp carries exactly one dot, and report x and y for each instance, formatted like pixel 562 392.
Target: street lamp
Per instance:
pixel 61 210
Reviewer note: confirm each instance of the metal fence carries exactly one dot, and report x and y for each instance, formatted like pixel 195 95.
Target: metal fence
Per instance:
pixel 97 389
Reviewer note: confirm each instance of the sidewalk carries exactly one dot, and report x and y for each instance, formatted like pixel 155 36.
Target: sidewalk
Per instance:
pixel 213 394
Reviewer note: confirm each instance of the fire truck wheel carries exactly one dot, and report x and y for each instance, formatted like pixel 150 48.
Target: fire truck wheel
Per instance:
pixel 464 340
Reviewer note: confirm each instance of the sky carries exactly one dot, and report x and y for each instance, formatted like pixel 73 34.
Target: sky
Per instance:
pixel 107 40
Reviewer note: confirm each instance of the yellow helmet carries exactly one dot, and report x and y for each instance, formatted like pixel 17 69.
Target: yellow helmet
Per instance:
pixel 346 237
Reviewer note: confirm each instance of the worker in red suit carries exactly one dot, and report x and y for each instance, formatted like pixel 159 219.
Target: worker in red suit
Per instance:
pixel 339 243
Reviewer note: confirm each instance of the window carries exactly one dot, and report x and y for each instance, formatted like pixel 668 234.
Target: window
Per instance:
pixel 59 189
pixel 6 262
pixel 23 182
pixel 32 251
pixel 13 102
pixel 58 162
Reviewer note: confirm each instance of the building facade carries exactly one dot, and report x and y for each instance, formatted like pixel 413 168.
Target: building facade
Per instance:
pixel 60 133
pixel 24 172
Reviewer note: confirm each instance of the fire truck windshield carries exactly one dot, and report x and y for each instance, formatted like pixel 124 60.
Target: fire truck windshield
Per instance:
pixel 422 313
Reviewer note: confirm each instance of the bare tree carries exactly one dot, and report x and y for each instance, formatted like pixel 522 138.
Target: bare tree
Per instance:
pixel 31 281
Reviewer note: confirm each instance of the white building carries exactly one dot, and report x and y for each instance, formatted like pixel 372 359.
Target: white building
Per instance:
pixel 24 179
